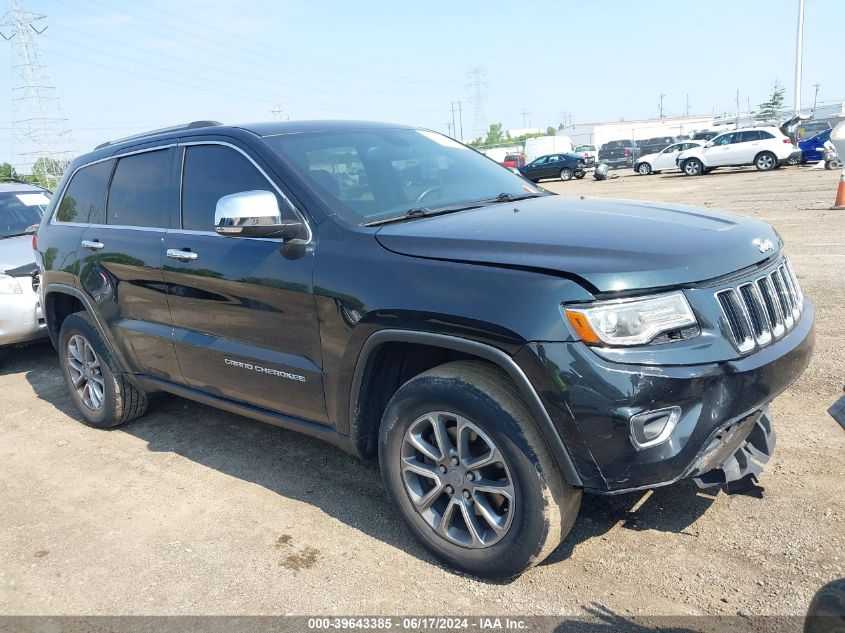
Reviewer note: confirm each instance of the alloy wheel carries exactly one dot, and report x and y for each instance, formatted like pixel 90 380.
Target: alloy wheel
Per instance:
pixel 765 162
pixel 692 168
pixel 457 480
pixel 86 375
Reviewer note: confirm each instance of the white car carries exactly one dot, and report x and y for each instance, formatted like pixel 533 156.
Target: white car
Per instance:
pixel 664 159
pixel 764 147
pixel 21 208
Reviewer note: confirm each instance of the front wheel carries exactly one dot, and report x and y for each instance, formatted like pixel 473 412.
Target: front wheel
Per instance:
pixel 766 161
pixel 580 174
pixel 566 174
pixel 693 167
pixel 643 169
pixel 470 474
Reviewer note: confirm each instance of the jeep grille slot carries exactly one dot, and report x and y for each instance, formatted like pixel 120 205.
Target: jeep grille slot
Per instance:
pixel 759 311
pixel 738 319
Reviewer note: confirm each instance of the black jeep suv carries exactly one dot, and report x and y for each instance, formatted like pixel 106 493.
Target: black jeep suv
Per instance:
pixel 498 348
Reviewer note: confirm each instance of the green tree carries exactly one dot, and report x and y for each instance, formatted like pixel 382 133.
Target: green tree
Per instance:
pixel 46 172
pixel 550 131
pixel 770 110
pixel 494 134
pixel 7 172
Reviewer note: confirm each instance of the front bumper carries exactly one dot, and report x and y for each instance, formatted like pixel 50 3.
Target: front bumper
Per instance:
pixel 591 400
pixel 21 319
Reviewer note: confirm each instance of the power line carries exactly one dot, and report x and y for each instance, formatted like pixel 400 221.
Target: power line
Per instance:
pixel 40 128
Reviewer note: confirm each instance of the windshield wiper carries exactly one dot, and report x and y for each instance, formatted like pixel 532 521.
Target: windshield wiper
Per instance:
pixel 509 197
pixel 424 212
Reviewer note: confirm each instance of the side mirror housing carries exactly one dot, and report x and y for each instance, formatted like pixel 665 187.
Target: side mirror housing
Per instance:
pixel 253 214
pixel 708 144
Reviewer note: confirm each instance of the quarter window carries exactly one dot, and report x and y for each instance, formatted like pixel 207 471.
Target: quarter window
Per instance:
pixel 211 172
pixel 85 196
pixel 138 195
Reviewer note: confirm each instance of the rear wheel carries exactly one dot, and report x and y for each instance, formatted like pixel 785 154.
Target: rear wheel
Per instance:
pixel 765 161
pixel 96 384
pixel 643 169
pixel 566 174
pixel 693 167
pixel 579 175
pixel 469 472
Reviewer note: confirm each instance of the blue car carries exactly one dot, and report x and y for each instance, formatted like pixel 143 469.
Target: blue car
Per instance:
pixel 812 149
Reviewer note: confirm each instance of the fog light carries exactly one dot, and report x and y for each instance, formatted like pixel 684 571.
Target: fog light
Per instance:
pixel 651 428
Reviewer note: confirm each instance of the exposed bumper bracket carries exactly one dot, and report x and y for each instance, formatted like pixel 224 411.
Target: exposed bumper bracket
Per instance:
pixel 747 460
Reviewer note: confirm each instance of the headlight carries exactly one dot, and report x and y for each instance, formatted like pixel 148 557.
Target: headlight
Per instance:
pixel 9 286
pixel 630 321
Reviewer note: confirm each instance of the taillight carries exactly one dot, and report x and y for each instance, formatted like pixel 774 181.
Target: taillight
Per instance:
pixel 787 140
pixel 35 241
pixel 627 152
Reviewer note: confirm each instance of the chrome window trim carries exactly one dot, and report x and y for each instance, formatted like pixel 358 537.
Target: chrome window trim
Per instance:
pixel 296 210
pixel 114 157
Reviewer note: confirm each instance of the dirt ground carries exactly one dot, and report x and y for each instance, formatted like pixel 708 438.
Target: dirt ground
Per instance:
pixel 190 510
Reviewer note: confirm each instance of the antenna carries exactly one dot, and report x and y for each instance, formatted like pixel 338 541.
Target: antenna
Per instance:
pixel 41 137
pixel 477 86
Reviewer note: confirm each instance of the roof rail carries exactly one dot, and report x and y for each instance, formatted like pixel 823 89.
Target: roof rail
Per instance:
pixel 176 128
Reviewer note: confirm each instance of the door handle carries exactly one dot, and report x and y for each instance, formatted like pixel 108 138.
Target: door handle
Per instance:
pixel 175 253
pixel 93 245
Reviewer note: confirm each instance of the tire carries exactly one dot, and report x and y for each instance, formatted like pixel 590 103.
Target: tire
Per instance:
pixel 643 169
pixel 765 161
pixel 110 399
pixel 482 401
pixel 566 174
pixel 792 161
pixel 579 175
pixel 693 167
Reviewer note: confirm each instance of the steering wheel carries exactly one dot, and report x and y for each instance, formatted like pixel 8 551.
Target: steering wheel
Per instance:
pixel 425 193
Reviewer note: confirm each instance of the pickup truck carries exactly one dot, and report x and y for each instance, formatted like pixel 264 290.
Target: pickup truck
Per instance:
pixel 620 153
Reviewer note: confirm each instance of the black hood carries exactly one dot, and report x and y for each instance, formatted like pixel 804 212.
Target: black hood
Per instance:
pixel 614 245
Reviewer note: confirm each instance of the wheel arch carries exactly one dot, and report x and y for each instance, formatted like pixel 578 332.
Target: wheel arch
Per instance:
pixel 367 405
pixel 59 300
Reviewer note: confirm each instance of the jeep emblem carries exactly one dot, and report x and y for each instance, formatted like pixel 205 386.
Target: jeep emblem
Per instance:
pixel 764 246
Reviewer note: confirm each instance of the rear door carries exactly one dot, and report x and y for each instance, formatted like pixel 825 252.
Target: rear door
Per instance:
pixel 121 261
pixel 244 318
pixel 748 146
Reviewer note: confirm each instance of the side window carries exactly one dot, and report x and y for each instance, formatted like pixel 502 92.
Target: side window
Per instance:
pixel 211 172
pixel 765 135
pixel 672 149
pixel 138 195
pixel 725 139
pixel 85 196
pixel 750 135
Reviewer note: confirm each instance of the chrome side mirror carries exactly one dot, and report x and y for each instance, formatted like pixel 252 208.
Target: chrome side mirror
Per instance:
pixel 253 214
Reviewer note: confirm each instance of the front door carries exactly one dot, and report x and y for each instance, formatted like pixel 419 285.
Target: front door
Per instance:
pixel 121 262
pixel 722 151
pixel 244 318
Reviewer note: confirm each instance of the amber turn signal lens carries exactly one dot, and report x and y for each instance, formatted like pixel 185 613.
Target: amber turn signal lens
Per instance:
pixel 582 326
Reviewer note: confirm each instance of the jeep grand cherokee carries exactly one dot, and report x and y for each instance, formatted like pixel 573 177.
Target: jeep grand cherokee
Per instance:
pixel 501 350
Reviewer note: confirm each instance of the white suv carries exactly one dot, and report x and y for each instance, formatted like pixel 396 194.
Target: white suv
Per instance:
pixel 764 147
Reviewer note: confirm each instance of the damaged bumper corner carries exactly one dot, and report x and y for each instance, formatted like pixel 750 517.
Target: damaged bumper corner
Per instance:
pixel 736 452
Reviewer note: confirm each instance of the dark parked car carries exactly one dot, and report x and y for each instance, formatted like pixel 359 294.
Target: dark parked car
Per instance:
pixel 563 166
pixel 656 144
pixel 705 136
pixel 622 153
pixel 501 350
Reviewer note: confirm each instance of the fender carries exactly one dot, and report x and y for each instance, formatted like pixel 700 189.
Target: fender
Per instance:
pixel 481 350
pixel 56 288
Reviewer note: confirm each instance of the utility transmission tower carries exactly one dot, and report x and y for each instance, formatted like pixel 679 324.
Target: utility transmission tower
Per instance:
pixel 41 137
pixel 477 86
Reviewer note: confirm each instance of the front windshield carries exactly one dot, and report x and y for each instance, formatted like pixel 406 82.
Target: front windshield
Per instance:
pixel 21 211
pixel 366 175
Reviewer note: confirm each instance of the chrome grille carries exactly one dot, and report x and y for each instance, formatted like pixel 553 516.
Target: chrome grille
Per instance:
pixel 760 311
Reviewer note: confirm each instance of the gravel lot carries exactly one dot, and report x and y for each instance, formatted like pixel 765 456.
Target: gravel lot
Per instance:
pixel 193 511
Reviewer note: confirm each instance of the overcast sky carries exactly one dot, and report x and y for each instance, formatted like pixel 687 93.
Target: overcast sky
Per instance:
pixel 123 67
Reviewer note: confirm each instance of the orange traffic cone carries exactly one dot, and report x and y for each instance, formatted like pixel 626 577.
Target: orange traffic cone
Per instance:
pixel 840 193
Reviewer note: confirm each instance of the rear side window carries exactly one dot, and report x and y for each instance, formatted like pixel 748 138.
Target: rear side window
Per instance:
pixel 750 135
pixel 138 195
pixel 85 197
pixel 211 172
